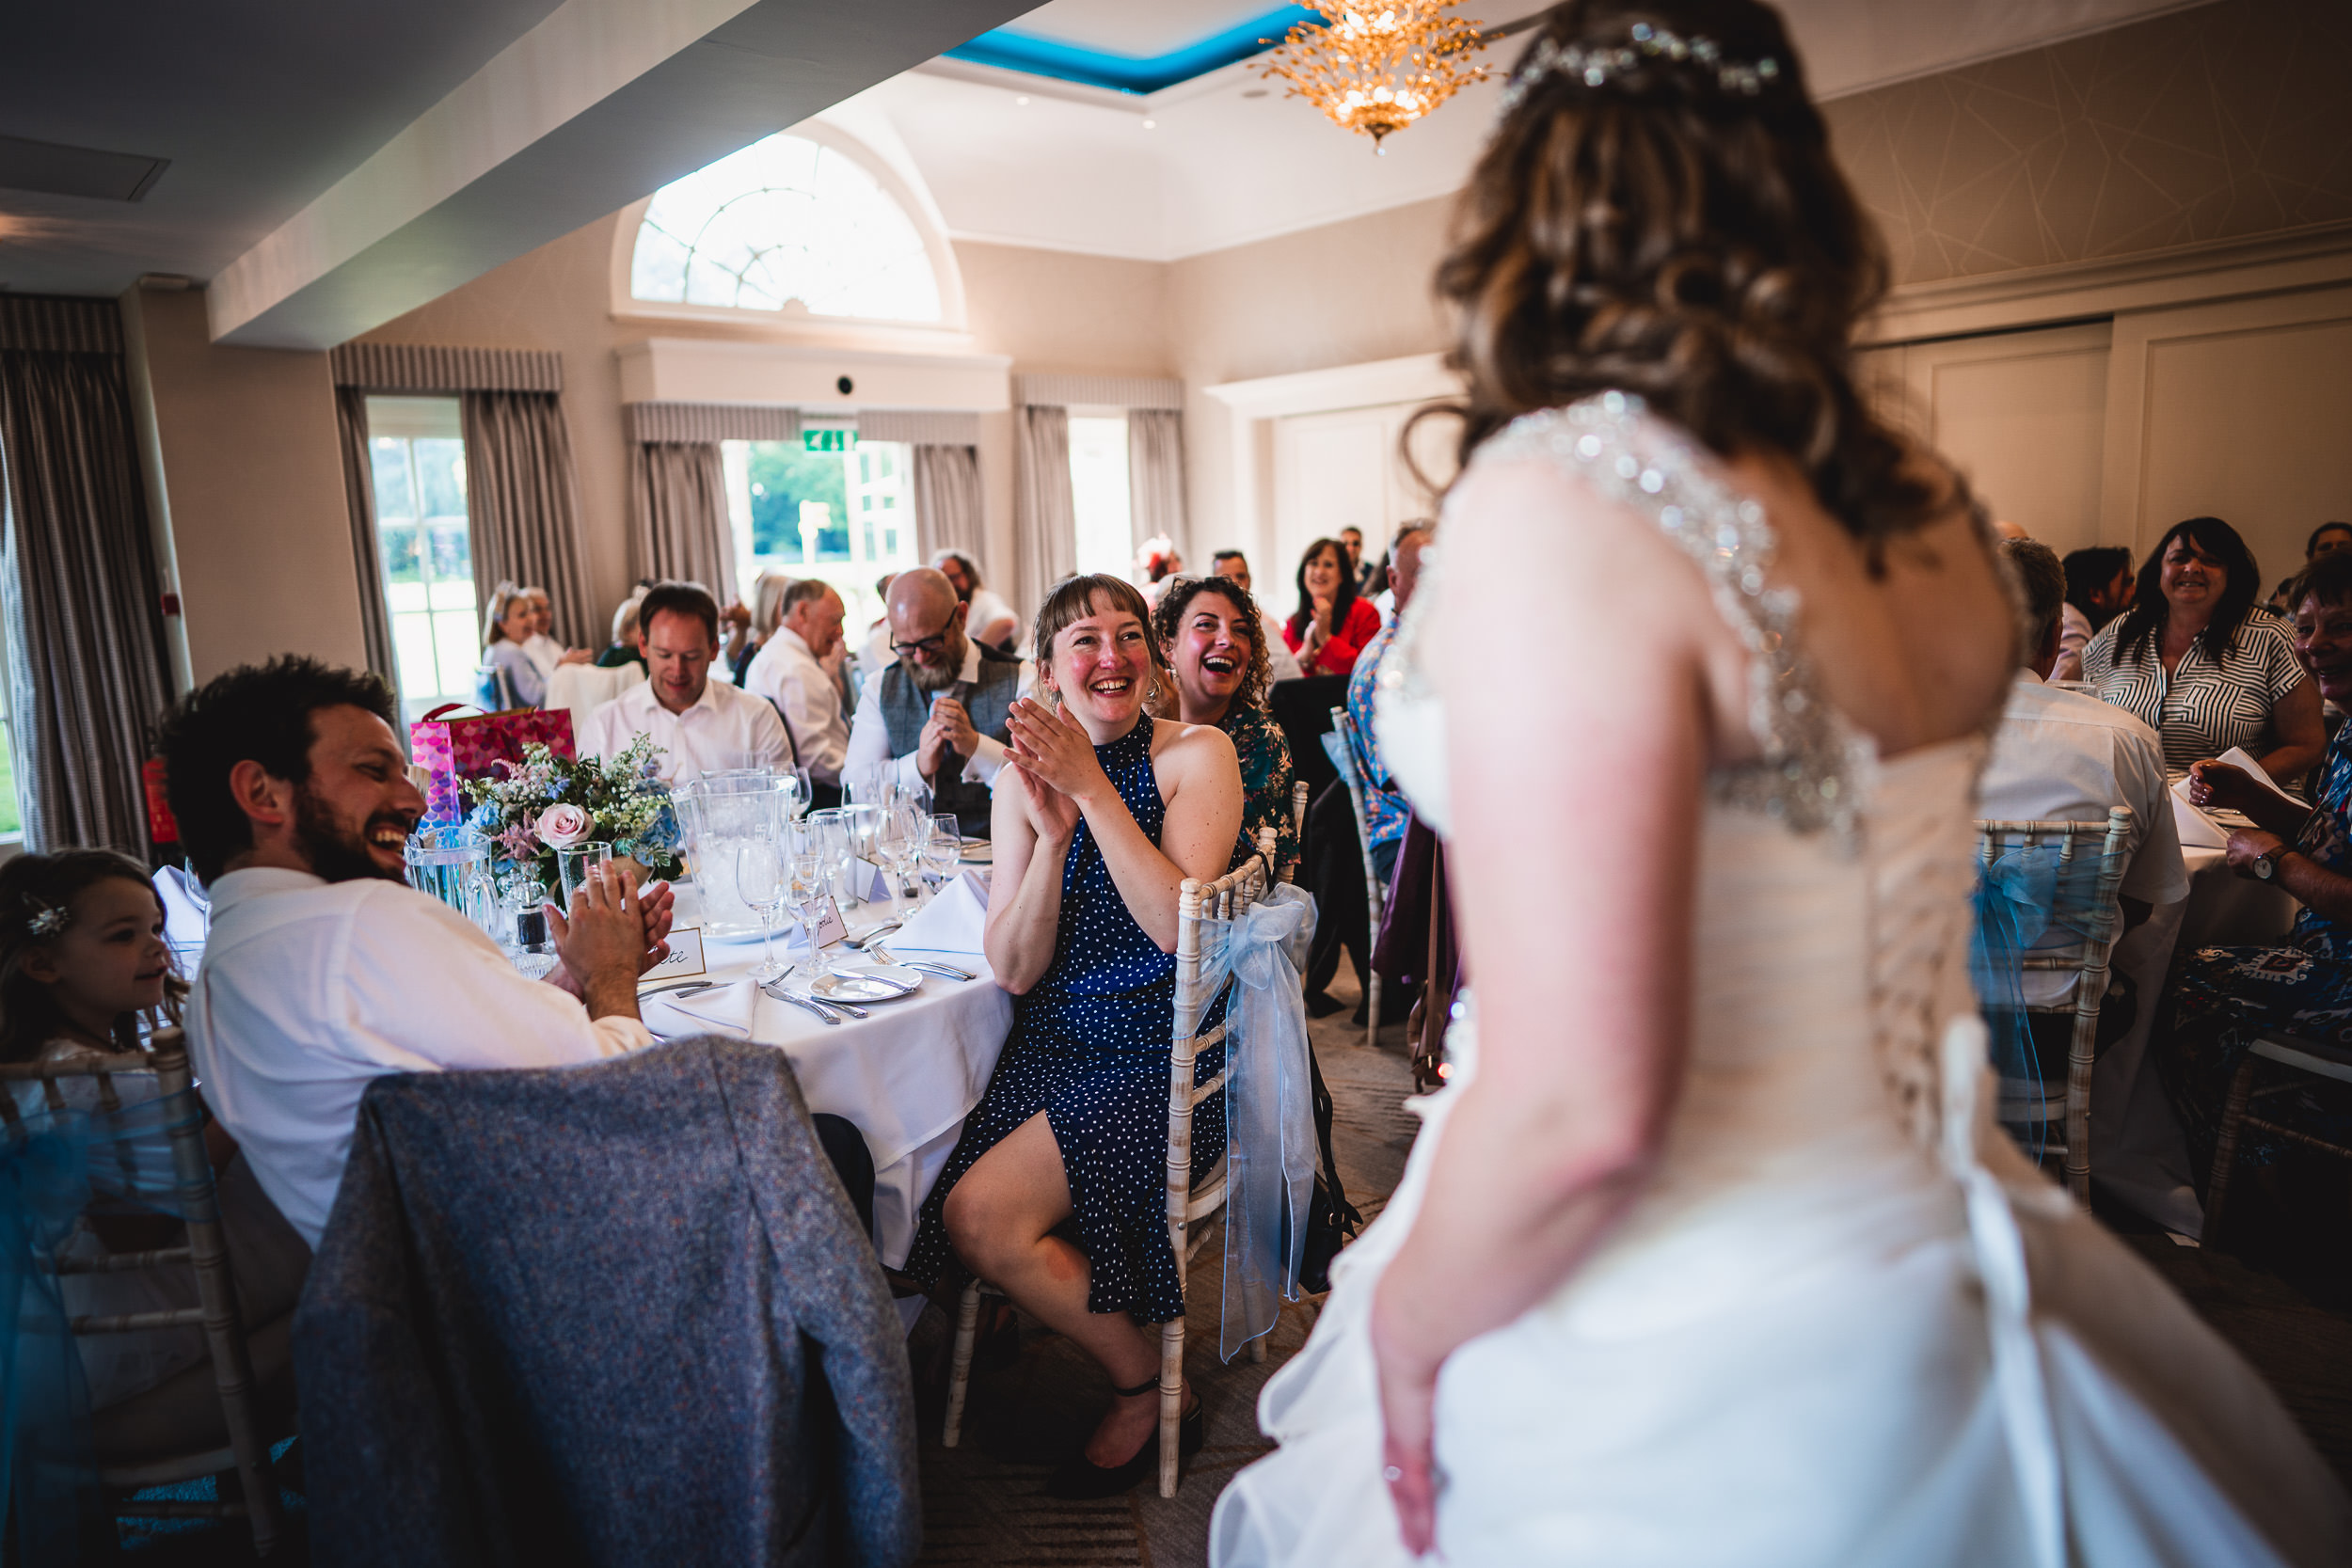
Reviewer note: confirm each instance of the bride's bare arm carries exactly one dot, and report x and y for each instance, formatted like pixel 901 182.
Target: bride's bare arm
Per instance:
pixel 1576 697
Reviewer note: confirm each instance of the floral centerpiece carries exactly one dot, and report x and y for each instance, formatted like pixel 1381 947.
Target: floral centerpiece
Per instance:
pixel 549 802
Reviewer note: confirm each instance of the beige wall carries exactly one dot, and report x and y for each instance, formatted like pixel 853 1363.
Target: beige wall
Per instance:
pixel 245 442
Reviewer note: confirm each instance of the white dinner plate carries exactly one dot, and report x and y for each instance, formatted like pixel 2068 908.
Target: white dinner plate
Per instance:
pixel 866 982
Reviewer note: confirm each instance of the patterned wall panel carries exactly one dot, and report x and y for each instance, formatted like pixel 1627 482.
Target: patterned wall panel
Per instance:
pixel 2221 122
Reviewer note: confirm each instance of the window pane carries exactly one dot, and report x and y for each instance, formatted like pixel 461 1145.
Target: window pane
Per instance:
pixel 390 460
pixel 1098 485
pixel 780 220
pixel 428 566
pixel 442 472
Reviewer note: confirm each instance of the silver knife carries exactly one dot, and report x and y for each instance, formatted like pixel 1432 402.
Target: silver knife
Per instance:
pixel 823 1014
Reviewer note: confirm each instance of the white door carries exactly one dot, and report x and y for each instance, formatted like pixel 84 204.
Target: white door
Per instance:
pixel 1345 468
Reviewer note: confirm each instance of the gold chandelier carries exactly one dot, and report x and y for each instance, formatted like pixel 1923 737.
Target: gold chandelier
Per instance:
pixel 1377 71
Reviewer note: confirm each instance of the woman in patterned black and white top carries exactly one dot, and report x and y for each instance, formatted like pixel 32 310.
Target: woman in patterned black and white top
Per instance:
pixel 2200 665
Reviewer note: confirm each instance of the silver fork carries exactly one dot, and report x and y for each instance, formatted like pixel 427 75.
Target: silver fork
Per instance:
pixel 775 988
pixel 928 966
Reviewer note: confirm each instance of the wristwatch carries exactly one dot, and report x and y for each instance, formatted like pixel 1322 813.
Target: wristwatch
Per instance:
pixel 2265 866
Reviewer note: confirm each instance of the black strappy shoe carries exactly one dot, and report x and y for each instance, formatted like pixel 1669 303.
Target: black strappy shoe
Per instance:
pixel 1082 1479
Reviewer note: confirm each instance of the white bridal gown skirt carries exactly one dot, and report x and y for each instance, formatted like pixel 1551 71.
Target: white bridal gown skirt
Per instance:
pixel 1799 1369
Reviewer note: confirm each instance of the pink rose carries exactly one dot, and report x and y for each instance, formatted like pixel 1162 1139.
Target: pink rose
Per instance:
pixel 561 826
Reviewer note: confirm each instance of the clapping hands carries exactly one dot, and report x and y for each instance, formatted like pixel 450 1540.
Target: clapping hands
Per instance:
pixel 1053 757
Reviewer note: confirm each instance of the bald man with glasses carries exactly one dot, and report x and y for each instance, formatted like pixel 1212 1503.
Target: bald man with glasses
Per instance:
pixel 936 714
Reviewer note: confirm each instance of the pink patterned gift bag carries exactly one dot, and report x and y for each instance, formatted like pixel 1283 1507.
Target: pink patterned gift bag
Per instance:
pixel 466 747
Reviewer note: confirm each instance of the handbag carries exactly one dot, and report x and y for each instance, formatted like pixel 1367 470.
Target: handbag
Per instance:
pixel 1333 1221
pixel 470 745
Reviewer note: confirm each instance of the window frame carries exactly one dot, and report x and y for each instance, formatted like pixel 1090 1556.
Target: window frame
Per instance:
pixel 794 320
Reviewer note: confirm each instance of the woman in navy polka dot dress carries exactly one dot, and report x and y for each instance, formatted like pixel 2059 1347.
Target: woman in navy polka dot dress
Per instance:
pixel 1100 813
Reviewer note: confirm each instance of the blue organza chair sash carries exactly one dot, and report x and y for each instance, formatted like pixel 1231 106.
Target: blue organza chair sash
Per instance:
pixel 54 1163
pixel 1269 1111
pixel 2027 900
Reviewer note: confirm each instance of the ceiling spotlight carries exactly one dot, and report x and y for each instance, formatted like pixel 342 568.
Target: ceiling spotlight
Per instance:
pixel 1150 124
pixel 1023 101
pixel 1255 92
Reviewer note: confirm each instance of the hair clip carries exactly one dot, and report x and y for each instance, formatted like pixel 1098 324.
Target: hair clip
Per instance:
pixel 46 920
pixel 1597 66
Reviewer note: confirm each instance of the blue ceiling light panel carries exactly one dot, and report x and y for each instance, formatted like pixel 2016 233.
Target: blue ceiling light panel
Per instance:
pixel 1009 50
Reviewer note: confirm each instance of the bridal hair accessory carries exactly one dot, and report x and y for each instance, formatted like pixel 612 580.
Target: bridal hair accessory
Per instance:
pixel 45 920
pixel 1651 45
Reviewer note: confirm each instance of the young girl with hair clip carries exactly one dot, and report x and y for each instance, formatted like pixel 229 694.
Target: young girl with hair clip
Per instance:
pixel 85 972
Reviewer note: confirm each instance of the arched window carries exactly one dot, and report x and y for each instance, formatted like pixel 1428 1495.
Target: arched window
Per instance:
pixel 786 219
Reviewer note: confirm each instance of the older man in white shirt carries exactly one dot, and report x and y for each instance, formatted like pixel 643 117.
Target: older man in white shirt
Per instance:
pixel 323 969
pixel 1282 664
pixel 936 718
pixel 701 725
pixel 2061 756
pixel 790 674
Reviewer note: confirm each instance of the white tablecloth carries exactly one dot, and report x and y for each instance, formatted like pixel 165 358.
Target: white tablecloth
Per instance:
pixel 905 1076
pixel 2136 1152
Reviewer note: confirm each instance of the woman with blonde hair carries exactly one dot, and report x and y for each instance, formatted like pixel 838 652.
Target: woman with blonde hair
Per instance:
pixel 509 676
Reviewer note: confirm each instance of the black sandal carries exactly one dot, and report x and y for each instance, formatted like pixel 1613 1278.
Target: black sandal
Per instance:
pixel 1081 1479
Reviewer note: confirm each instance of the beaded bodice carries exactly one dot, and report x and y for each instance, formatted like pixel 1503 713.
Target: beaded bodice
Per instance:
pixel 1830 882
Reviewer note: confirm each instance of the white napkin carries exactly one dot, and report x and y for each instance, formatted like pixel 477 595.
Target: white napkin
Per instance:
pixel 2200 832
pixel 951 923
pixel 725 1008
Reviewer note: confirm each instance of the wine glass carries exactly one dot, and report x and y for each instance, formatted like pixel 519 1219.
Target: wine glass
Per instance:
pixel 763 878
pixel 944 850
pixel 829 836
pixel 808 899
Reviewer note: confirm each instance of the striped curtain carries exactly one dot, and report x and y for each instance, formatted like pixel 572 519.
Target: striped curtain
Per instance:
pixel 523 506
pixel 678 490
pixel 947 506
pixel 1045 512
pixel 78 583
pixel 376 622
pixel 1156 478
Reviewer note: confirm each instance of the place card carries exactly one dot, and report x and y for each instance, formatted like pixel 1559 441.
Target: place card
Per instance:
pixel 828 927
pixel 685 958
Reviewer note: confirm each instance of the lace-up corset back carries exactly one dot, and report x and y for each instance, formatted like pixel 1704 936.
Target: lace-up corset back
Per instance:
pixel 1832 905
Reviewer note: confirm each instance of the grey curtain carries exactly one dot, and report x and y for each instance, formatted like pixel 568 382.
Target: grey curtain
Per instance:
pixel 1045 513
pixel 678 490
pixel 376 622
pixel 77 577
pixel 1156 478
pixel 948 507
pixel 523 506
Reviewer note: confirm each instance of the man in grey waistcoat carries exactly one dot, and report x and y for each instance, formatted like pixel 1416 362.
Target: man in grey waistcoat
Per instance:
pixel 936 715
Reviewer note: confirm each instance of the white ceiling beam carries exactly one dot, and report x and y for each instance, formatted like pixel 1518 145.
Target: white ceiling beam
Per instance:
pixel 602 103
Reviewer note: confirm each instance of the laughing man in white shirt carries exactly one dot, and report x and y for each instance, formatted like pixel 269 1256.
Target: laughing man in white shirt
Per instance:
pixel 323 969
pixel 701 725
pixel 790 674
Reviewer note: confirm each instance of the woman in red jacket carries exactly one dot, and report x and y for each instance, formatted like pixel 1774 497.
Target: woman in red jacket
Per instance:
pixel 1331 625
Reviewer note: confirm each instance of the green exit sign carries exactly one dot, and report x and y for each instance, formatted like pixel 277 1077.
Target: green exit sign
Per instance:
pixel 828 440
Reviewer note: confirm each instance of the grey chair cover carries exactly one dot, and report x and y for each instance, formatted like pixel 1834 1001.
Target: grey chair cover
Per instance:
pixel 615 1314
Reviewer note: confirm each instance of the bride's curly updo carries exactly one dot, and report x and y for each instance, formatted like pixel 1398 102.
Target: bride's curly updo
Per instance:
pixel 1659 211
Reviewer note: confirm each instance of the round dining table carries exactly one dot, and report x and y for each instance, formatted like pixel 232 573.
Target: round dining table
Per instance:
pixel 905 1075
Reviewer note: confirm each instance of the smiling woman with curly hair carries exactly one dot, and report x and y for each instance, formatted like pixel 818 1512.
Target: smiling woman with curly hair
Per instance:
pixel 1210 638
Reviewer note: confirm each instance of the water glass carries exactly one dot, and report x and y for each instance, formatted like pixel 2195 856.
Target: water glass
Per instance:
pixel 572 866
pixel 808 903
pixel 865 824
pixel 763 876
pixel 828 837
pixel 942 852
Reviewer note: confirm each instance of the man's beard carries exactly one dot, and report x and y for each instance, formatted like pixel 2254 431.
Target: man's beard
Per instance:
pixel 939 676
pixel 337 855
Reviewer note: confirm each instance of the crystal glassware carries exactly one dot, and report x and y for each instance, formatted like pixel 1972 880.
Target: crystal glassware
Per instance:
pixel 763 875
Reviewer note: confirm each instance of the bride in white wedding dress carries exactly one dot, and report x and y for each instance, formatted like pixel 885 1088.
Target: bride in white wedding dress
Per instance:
pixel 1709 1253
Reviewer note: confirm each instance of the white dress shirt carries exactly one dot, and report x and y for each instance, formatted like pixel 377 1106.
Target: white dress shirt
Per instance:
pixel 869 738
pixel 988 608
pixel 309 990
pixel 544 652
pixel 2061 756
pixel 726 727
pixel 2074 633
pixel 790 675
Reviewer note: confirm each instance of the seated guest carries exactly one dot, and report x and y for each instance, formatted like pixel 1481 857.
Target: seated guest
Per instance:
pixel 1282 664
pixel 937 717
pixel 990 620
pixel 701 725
pixel 2061 756
pixel 1101 814
pixel 1384 807
pixel 545 651
pixel 623 649
pixel 2199 666
pixel 323 968
pixel 1331 625
pixel 2326 539
pixel 1208 630
pixel 790 674
pixel 2229 997
pixel 83 966
pixel 509 676
pixel 1156 561
pixel 2098 586
pixel 750 625
pixel 1364 573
